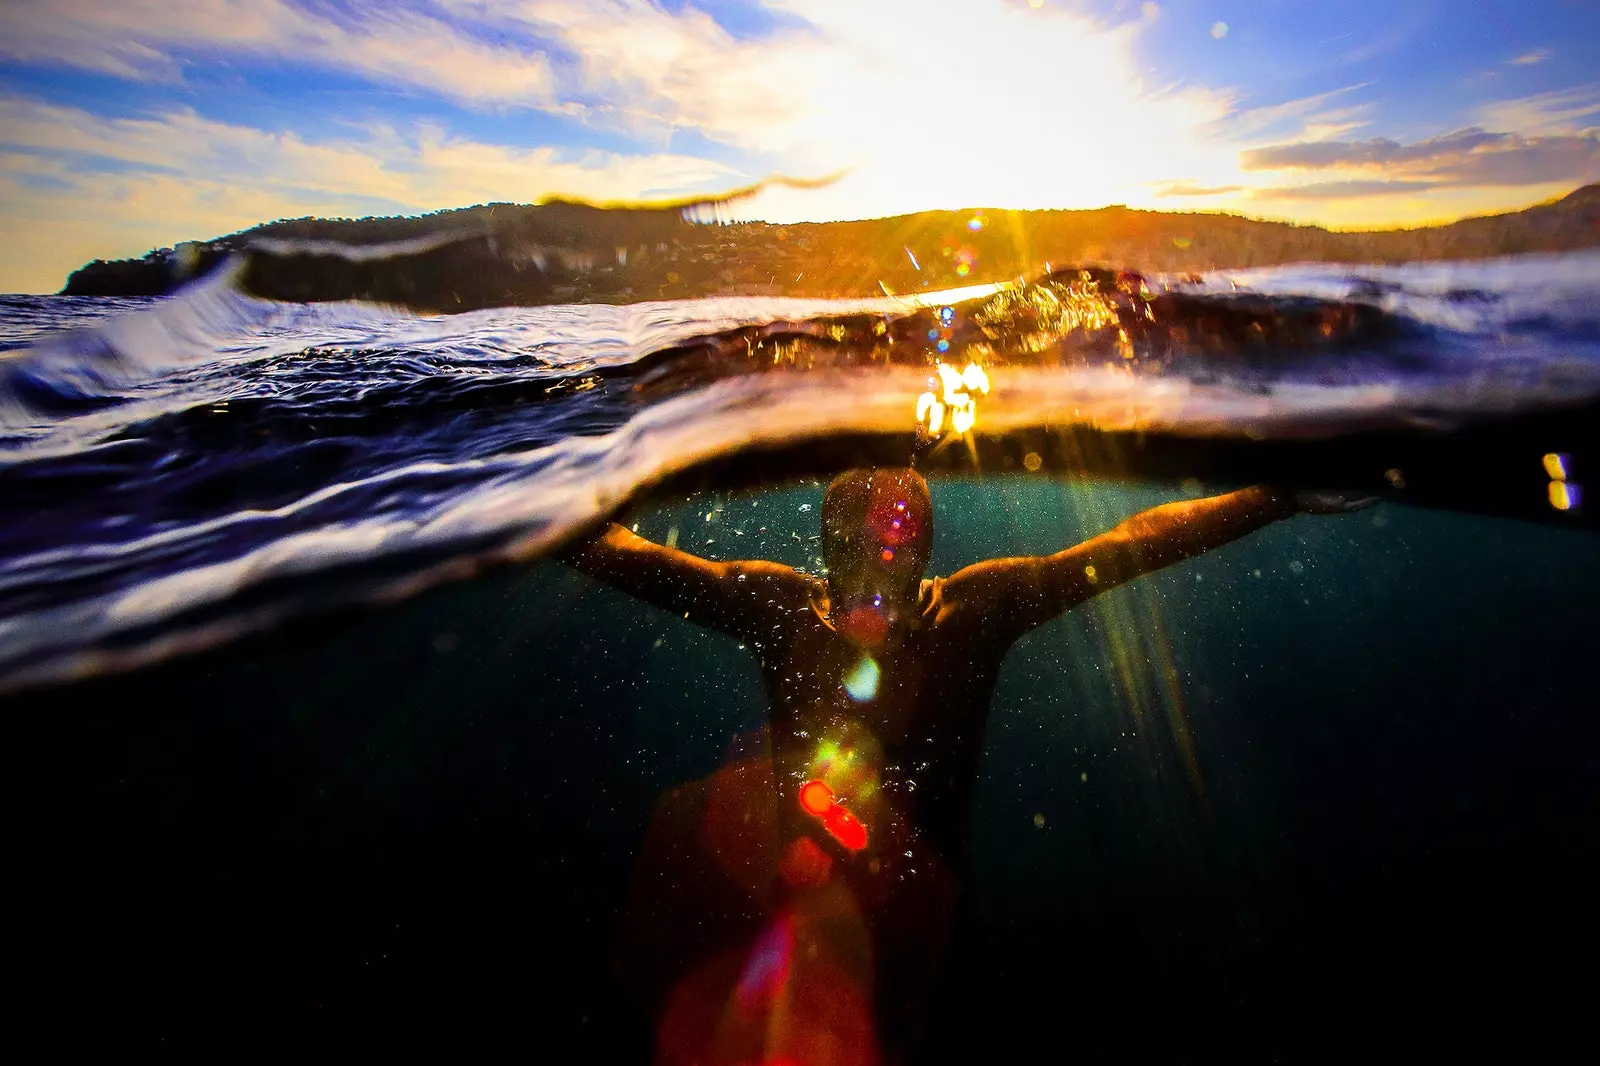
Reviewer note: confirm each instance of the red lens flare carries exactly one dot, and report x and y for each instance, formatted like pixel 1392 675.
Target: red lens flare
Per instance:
pixel 866 625
pixel 817 800
pixel 846 828
pixel 890 519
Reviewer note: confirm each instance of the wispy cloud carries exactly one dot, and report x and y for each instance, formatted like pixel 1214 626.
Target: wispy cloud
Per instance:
pixel 1378 152
pixel 625 64
pixel 1532 141
pixel 410 169
pixel 1385 40
pixel 1315 117
pixel 1528 59
pixel 1559 111
pixel 1468 158
pixel 76 186
pixel 1192 188
pixel 1344 190
pixel 635 66
pixel 158 39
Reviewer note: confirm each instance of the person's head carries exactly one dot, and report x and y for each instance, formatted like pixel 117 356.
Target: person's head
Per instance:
pixel 877 531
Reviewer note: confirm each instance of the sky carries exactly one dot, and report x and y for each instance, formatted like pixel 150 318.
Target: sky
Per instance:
pixel 137 124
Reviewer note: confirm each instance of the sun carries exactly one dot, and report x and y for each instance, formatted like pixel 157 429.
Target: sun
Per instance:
pixel 1010 106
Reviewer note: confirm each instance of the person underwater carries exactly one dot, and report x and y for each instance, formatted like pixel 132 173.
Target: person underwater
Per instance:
pixel 879 681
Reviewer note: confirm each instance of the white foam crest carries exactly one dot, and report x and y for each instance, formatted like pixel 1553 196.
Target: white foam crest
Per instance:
pixel 1480 296
pixel 137 357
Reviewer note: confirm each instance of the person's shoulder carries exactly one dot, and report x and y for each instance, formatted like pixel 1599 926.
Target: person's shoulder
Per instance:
pixel 934 608
pixel 775 578
pixel 960 622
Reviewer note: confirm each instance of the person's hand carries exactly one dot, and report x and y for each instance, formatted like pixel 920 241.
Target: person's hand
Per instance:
pixel 1331 501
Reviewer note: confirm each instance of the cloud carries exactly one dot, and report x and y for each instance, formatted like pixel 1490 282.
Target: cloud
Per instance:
pixel 1472 157
pixel 635 66
pixel 1304 118
pixel 1529 59
pixel 76 186
pixel 1343 190
pixel 1558 111
pixel 1378 152
pixel 1190 188
pixel 623 64
pixel 157 39
pixel 418 169
pixel 1396 29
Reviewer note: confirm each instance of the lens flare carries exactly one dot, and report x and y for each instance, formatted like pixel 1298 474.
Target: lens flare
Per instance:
pixel 862 682
pixel 846 828
pixel 766 971
pixel 817 800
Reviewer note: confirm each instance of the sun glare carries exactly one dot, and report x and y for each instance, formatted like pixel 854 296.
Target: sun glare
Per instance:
pixel 996 106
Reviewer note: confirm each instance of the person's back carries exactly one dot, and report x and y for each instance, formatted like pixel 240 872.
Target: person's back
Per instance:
pixel 879 684
pixel 894 730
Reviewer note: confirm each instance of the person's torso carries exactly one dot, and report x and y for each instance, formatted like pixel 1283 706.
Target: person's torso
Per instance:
pixel 894 734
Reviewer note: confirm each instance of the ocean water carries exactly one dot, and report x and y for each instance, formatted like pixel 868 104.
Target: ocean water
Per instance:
pixel 310 727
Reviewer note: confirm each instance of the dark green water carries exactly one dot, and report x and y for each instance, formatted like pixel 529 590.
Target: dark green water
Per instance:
pixel 1350 750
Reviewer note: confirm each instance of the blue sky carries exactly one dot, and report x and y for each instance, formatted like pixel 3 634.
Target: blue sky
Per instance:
pixel 132 125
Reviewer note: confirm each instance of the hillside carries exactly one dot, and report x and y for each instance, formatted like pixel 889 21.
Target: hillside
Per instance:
pixel 508 254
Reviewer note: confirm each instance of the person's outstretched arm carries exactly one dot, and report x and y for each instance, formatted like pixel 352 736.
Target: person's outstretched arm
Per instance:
pixel 1006 597
pixel 735 597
